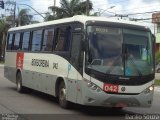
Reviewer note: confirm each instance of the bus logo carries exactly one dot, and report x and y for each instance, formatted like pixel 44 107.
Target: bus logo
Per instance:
pixel 19 60
pixel 123 89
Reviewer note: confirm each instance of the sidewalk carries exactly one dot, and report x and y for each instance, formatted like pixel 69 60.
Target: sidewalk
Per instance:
pixel 1 65
pixel 157 88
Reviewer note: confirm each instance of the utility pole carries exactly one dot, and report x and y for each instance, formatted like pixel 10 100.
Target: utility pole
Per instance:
pixel 14 17
pixel 10 8
pixel 19 17
pixel 54 3
pixel 87 7
pixel 54 6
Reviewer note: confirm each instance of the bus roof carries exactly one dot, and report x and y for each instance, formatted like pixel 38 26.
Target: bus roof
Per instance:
pixel 78 18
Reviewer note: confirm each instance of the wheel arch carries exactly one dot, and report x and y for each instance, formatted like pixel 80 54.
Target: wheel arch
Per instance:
pixel 18 71
pixel 58 81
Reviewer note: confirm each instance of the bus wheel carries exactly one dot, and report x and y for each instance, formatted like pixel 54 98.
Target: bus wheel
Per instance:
pixel 62 95
pixel 20 88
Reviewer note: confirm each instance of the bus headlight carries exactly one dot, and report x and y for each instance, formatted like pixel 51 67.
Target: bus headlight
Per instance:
pixel 90 84
pixel 149 89
pixel 93 86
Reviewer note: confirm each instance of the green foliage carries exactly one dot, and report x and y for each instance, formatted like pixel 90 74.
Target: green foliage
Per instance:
pixel 157 83
pixel 24 17
pixel 2 62
pixel 4 26
pixel 157 57
pixel 68 8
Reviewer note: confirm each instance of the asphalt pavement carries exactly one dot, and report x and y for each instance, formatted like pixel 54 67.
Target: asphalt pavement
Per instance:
pixel 34 105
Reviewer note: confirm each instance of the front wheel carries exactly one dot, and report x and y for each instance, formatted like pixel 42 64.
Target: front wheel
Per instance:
pixel 20 88
pixel 62 95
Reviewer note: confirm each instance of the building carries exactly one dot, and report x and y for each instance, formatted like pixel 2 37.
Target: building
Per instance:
pixel 156 21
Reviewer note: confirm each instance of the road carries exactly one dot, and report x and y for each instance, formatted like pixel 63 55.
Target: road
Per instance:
pixel 38 106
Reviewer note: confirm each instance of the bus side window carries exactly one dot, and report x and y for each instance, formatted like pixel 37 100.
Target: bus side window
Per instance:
pixel 63 36
pixel 16 45
pixel 25 40
pixel 36 40
pixel 10 41
pixel 76 58
pixel 48 40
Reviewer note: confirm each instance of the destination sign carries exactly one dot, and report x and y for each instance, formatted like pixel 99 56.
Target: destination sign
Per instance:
pixel 102 30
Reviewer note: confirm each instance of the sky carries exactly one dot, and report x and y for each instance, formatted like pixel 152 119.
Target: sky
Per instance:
pixel 118 7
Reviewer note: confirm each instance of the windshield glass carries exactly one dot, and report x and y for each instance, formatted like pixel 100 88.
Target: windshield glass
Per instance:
pixel 119 51
pixel 105 46
pixel 138 50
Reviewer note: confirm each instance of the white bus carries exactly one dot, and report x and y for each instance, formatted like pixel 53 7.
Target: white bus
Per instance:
pixel 93 61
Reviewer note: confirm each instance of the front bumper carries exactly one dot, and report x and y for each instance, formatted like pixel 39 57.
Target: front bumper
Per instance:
pixel 92 97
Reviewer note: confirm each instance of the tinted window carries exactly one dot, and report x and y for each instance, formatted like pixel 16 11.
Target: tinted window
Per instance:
pixel 105 50
pixel 76 49
pixel 36 40
pixel 63 39
pixel 10 38
pixel 25 42
pixel 17 41
pixel 48 40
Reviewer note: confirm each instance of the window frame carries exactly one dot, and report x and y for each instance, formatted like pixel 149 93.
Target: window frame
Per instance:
pixel 28 40
pixel 57 38
pixel 53 39
pixel 13 46
pixel 8 39
pixel 31 41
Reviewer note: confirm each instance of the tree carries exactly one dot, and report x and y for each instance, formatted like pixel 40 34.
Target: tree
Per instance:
pixel 24 18
pixel 68 8
pixel 4 26
pixel 157 58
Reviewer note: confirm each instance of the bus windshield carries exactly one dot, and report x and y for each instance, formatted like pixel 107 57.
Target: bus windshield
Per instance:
pixel 119 51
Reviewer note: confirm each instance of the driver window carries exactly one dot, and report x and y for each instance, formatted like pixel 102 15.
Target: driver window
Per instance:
pixel 63 36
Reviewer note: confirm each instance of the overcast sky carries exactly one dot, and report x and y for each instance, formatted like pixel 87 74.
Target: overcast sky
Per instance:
pixel 121 6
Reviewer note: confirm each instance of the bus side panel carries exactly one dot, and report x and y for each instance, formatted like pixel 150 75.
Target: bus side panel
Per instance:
pixel 38 77
pixel 43 78
pixel 72 85
pixel 10 66
pixel 25 77
pixel 41 71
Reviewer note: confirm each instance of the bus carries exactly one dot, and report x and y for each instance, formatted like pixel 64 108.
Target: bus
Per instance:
pixel 91 61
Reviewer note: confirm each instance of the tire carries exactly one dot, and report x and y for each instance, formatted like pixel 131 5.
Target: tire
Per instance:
pixel 62 95
pixel 20 88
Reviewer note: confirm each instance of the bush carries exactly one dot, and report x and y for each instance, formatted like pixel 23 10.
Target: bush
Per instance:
pixel 157 58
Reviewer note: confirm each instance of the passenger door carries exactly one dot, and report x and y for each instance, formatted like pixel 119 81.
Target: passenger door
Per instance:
pixel 73 67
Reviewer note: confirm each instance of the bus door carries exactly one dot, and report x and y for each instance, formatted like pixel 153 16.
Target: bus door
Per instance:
pixel 74 69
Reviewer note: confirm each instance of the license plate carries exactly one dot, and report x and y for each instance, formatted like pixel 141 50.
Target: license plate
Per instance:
pixel 110 88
